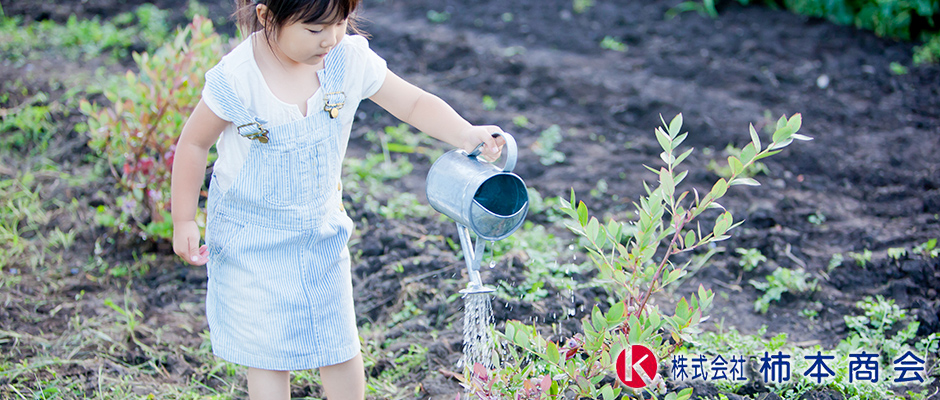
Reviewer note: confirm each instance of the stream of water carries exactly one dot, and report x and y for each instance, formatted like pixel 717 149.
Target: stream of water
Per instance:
pixel 477 339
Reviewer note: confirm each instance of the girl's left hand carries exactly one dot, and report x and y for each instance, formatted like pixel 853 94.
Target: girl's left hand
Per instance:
pixel 493 145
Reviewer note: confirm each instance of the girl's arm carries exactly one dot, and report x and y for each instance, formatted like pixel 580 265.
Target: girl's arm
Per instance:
pixel 431 115
pixel 189 169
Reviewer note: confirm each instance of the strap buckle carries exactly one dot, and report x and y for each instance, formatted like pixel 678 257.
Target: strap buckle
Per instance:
pixel 259 133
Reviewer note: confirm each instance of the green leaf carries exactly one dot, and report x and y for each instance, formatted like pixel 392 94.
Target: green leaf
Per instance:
pixel 552 352
pixel 582 213
pixel 748 153
pixel 782 134
pixel 679 177
pixel 675 125
pixel 682 157
pixel 795 122
pixel 745 181
pixel 615 314
pixel 735 164
pixel 719 189
pixel 664 140
pixel 608 392
pixel 781 122
pixel 765 155
pixel 798 136
pixel 682 309
pixel 598 320
pixel 755 138
pixel 690 238
pixel 666 182
pixel 723 223
pixel 678 140
pixel 592 230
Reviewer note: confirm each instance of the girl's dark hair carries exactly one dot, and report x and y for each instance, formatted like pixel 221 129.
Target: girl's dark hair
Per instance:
pixel 282 12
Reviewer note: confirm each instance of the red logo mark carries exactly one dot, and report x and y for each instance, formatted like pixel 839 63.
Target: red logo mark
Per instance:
pixel 636 366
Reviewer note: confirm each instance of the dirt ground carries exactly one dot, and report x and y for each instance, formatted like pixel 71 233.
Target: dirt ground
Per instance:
pixel 871 173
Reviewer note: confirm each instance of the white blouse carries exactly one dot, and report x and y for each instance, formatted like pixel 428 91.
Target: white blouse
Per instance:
pixel 365 73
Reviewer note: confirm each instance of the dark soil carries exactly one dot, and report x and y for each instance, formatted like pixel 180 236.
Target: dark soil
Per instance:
pixel 872 170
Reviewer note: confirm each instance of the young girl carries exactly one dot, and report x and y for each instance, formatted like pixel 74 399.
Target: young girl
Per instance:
pixel 280 294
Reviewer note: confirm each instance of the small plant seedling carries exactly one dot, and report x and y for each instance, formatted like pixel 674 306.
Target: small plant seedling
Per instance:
pixel 782 281
pixel 489 104
pixel 897 68
pixel 928 249
pixel 580 6
pixel 750 258
pixel 438 17
pixel 520 121
pixel 816 218
pixel 611 43
pixel 544 146
pixel 835 262
pixel 861 259
pixel 895 253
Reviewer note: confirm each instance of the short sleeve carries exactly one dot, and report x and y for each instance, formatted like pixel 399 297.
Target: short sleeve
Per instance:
pixel 208 92
pixel 371 68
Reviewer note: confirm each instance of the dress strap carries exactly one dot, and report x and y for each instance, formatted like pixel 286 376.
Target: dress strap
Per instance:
pixel 247 126
pixel 331 79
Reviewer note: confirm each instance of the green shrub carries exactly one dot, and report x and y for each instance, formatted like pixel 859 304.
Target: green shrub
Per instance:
pixel 138 131
pixel 887 18
pixel 636 259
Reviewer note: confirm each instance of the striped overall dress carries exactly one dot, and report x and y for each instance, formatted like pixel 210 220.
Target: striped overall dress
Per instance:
pixel 280 293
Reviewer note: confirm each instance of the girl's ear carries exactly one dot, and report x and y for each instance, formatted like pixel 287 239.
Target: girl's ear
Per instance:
pixel 262 12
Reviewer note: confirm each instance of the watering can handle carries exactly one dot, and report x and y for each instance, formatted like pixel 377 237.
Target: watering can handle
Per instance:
pixel 510 148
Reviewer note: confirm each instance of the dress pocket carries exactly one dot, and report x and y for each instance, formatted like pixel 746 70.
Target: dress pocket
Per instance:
pixel 219 235
pixel 278 179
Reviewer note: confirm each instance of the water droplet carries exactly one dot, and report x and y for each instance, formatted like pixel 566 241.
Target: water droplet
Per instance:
pixel 492 264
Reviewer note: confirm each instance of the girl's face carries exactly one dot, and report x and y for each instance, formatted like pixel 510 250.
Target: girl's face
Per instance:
pixel 304 43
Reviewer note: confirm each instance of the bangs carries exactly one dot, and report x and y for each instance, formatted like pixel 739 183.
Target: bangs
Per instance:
pixel 324 12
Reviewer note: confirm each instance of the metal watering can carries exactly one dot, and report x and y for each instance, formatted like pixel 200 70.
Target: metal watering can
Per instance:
pixel 481 197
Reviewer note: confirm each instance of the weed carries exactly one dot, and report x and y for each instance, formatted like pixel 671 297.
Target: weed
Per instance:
pixel 782 281
pixel 861 259
pixel 705 8
pixel 750 258
pixel 816 218
pixel 540 251
pixel 520 121
pixel 580 6
pixel 835 262
pixel 83 39
pixel 897 69
pixel 489 104
pixel 928 249
pixel 405 206
pixel 929 52
pixel 896 253
pixel 544 146
pixel 29 125
pixel 611 43
pixel 600 189
pixel 438 17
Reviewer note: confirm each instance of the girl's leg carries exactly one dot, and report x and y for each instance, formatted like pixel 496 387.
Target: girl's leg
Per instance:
pixel 344 381
pixel 268 385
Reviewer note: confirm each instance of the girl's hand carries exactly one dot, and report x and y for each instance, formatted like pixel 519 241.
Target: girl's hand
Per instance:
pixel 186 243
pixel 493 146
